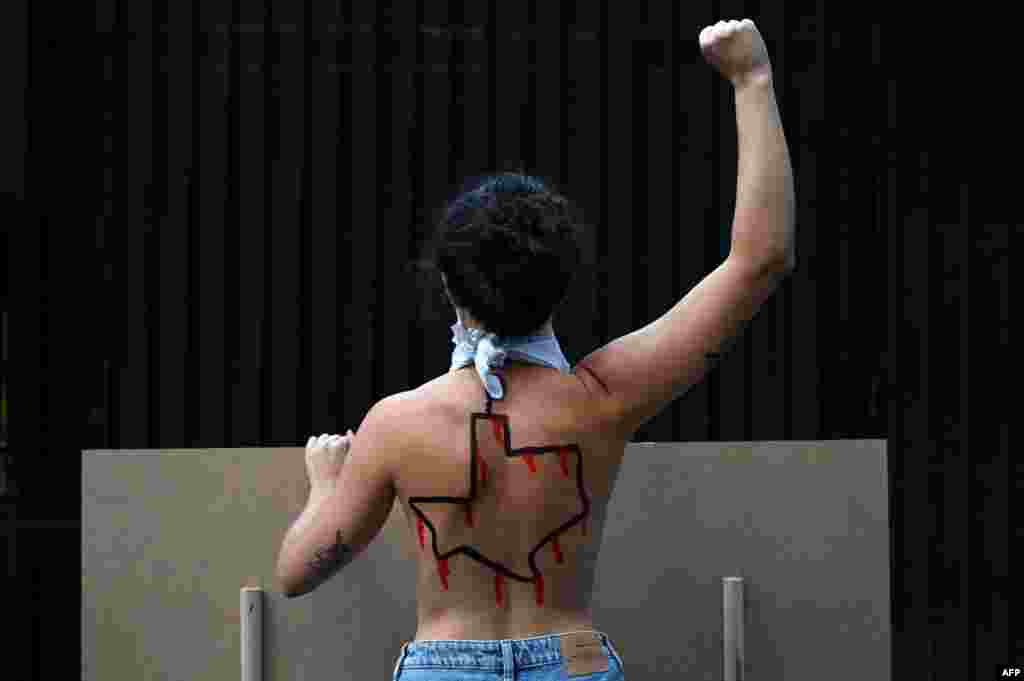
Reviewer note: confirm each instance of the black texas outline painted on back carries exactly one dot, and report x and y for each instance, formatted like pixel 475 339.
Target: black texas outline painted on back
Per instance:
pixel 467 500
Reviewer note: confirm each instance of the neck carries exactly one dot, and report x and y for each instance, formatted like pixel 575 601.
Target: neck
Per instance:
pixel 546 330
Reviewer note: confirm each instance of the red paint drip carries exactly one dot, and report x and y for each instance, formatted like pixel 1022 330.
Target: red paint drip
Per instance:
pixel 499 434
pixel 469 515
pixel 442 569
pixel 531 463
pixel 498 581
pixel 565 462
pixel 540 590
pixel 419 530
pixel 558 550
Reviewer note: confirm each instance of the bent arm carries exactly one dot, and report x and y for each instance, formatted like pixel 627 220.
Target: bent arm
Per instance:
pixel 646 370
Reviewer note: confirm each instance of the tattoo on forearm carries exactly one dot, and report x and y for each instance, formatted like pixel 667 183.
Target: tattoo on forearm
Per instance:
pixel 714 358
pixel 329 560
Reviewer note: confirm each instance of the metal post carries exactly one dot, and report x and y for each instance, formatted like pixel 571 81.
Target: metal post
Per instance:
pixel 252 633
pixel 732 629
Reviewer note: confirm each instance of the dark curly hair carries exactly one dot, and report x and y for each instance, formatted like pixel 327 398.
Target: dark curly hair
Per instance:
pixel 508 246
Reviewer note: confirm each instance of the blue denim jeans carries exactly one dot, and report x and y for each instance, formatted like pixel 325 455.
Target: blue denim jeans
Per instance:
pixel 571 656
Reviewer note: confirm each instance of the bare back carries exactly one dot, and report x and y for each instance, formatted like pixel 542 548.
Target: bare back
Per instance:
pixel 511 504
pixel 505 510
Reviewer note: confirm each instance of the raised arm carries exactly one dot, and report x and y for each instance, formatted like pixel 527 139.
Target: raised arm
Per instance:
pixel 647 369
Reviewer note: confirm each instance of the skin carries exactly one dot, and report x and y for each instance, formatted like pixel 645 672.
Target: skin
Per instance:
pixel 543 408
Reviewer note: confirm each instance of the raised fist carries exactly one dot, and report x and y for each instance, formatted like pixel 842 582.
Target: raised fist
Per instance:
pixel 736 50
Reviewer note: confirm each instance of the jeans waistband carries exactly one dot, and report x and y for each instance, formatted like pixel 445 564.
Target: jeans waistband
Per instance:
pixel 490 655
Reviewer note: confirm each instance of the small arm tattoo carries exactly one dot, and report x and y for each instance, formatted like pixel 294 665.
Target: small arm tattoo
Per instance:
pixel 328 561
pixel 714 358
